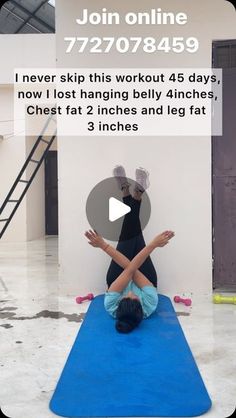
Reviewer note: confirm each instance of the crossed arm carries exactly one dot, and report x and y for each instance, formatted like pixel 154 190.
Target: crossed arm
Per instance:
pixel 131 271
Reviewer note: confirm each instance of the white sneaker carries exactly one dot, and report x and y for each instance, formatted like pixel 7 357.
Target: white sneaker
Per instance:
pixel 120 175
pixel 142 179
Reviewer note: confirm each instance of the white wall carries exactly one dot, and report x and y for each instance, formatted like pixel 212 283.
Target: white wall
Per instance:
pixel 180 168
pixel 35 196
pixel 21 51
pixel 29 221
pixel 12 155
pixel 26 51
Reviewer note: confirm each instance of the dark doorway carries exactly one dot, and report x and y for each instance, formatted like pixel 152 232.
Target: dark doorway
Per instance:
pixel 51 194
pixel 224 173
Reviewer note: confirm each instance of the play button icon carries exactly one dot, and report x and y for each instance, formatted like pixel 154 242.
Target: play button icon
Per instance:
pixel 106 210
pixel 117 209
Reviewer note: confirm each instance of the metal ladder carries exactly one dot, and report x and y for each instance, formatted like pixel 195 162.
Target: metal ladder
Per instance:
pixel 27 183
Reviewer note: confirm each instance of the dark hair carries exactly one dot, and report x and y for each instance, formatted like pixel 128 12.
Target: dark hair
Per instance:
pixel 129 314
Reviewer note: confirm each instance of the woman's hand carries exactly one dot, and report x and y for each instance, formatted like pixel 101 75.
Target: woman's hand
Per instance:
pixel 162 239
pixel 95 240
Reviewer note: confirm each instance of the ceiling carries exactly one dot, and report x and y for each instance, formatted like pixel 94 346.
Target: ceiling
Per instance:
pixel 27 16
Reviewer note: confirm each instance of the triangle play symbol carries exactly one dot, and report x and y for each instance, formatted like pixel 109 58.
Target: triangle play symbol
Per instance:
pixel 117 209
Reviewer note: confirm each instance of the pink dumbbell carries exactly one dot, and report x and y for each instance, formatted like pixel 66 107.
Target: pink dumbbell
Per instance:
pixel 187 302
pixel 80 299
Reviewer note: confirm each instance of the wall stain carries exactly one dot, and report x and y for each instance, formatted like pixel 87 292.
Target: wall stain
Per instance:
pixel 211 356
pixel 172 315
pixel 3 284
pixel 7 313
pixel 10 308
pixel 7 326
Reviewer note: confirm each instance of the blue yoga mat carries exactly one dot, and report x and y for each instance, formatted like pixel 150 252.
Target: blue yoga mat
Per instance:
pixel 149 372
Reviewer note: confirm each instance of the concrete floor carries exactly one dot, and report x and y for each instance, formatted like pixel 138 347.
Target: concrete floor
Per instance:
pixel 38 328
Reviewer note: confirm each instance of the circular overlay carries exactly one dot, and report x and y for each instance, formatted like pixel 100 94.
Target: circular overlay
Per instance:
pixel 105 203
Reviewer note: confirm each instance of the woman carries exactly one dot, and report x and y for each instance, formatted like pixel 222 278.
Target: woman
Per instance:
pixel 131 277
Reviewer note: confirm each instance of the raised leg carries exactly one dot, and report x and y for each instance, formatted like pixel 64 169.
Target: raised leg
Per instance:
pixel 130 247
pixel 127 241
pixel 131 239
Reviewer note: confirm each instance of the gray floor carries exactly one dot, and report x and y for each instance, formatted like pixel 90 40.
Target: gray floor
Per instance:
pixel 38 329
